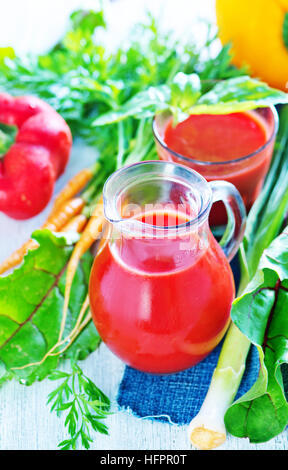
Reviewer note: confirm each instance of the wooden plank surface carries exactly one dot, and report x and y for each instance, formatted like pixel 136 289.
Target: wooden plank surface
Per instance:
pixel 25 421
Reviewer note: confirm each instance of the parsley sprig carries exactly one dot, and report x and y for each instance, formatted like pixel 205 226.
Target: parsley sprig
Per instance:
pixel 84 404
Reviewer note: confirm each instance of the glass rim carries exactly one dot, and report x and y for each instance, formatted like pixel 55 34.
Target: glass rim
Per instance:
pixel 224 162
pixel 112 214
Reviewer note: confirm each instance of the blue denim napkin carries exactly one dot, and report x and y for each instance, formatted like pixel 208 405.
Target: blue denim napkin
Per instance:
pixel 177 398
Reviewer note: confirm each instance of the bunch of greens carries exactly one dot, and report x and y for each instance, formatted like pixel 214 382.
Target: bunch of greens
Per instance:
pixel 82 80
pixel 184 96
pixel 85 83
pixel 91 87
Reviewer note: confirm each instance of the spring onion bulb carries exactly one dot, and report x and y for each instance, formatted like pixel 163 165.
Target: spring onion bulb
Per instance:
pixel 207 429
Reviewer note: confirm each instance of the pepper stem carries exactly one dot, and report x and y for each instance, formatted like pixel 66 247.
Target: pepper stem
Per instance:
pixel 7 138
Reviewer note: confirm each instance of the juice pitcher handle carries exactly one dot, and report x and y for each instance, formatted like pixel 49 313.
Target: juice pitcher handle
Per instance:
pixel 236 214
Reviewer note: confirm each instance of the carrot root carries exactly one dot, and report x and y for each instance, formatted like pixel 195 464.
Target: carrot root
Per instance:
pixel 90 234
pixel 17 256
pixel 54 223
pixel 73 187
pixel 57 220
pixel 76 224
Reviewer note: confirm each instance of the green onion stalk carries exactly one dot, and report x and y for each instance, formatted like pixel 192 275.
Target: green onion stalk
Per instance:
pixel 264 223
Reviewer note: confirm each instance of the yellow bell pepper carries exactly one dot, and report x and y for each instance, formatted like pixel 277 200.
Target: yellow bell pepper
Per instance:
pixel 255 30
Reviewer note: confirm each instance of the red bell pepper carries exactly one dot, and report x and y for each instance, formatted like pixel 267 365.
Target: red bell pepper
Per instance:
pixel 39 155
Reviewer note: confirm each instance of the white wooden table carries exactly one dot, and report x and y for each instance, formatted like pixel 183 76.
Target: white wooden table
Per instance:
pixel 25 421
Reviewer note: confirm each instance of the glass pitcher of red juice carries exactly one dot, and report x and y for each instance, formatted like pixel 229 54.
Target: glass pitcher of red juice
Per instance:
pixel 234 147
pixel 161 286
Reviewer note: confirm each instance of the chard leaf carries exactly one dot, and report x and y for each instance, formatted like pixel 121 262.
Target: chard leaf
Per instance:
pixel 261 314
pixel 31 304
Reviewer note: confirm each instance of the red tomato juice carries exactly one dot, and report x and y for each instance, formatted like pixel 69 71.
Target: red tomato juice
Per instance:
pixel 159 305
pixel 216 139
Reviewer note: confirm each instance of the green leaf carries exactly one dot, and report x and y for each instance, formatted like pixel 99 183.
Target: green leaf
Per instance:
pixel 238 94
pixel 58 374
pixel 144 104
pixel 261 314
pixel 85 404
pixel 7 137
pixel 31 304
pixel 185 90
pixel 87 20
pixel 285 30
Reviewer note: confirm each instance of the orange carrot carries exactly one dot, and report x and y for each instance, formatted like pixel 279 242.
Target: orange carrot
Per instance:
pixel 17 256
pixel 73 187
pixel 88 237
pixel 55 222
pixel 76 224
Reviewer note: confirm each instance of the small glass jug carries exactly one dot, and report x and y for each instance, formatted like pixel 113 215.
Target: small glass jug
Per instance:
pixel 161 286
